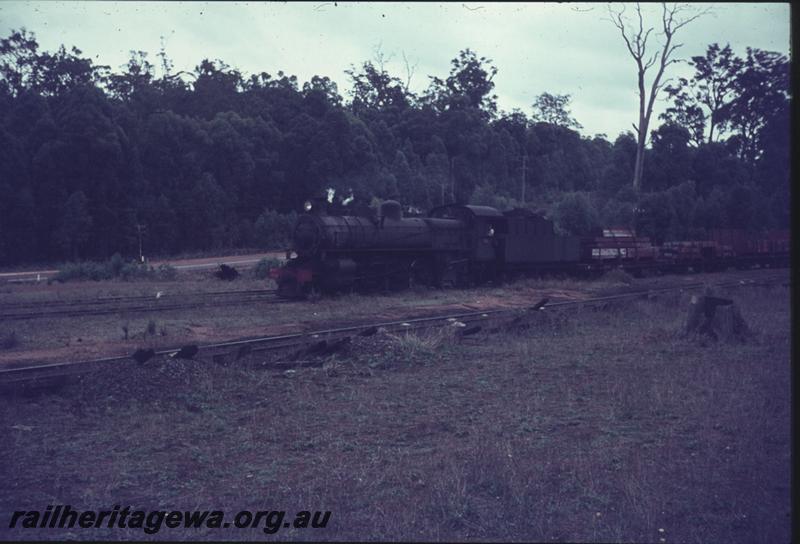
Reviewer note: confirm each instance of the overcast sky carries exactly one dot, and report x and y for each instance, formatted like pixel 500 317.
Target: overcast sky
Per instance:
pixel 537 47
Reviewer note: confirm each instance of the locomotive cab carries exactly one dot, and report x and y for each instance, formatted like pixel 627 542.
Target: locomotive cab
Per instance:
pixel 485 231
pixel 485 227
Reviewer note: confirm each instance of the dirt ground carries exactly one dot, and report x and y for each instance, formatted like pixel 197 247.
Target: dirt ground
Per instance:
pixel 591 425
pixel 182 264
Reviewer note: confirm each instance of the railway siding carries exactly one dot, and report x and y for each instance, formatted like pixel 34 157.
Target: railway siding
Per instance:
pixel 300 343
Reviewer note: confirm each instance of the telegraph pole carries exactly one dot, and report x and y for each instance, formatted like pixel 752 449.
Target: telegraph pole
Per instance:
pixel 524 159
pixel 452 180
pixel 139 229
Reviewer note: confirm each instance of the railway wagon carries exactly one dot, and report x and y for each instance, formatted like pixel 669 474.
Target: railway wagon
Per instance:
pixel 740 248
pixel 695 254
pixel 618 246
pixel 742 243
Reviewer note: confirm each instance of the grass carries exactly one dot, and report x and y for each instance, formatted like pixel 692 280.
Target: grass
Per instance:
pixel 591 425
pixel 94 336
pixel 9 340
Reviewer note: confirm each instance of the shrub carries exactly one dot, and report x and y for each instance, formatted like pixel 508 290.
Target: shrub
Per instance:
pixel 84 271
pixel 618 275
pixel 655 217
pixel 166 272
pixel 115 267
pixel 486 195
pixel 576 214
pixel 133 270
pixel 262 267
pixel 116 264
pixel 617 214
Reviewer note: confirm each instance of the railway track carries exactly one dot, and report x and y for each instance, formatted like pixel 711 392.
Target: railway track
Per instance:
pixel 309 342
pixel 132 304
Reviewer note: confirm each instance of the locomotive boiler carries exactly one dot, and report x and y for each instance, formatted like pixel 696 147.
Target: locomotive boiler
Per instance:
pixel 331 253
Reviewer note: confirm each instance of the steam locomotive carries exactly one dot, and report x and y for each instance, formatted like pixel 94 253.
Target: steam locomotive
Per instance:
pixel 461 245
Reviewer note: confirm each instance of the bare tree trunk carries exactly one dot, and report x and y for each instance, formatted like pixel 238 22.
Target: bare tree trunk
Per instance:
pixel 636 43
pixel 641 132
pixel 638 167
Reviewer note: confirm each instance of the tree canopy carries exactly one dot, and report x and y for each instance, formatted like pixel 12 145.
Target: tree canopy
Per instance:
pixel 214 158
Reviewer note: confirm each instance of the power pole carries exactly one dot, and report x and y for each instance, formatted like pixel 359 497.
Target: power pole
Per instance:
pixel 139 229
pixel 524 159
pixel 452 180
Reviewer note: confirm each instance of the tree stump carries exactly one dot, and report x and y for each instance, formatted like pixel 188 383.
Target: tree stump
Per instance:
pixel 716 318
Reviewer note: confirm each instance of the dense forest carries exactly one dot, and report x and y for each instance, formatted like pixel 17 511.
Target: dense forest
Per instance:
pixel 91 158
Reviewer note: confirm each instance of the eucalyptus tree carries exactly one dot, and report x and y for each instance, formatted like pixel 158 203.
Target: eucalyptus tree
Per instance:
pixel 636 37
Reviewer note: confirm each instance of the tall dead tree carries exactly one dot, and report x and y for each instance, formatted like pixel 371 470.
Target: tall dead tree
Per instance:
pixel 635 37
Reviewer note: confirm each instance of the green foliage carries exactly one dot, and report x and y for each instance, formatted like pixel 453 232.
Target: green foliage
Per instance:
pixel 273 230
pixel 576 214
pixel 655 217
pixel 617 275
pixel 115 267
pixel 682 199
pixel 166 272
pixel 135 270
pixel 75 224
pixel 740 207
pixel 618 171
pixel 116 264
pixel 262 268
pixel 706 97
pixel 554 109
pixel 83 271
pixel 708 212
pixel 94 162
pixel 485 195
pixel 374 90
pixel 617 214
pixel 468 87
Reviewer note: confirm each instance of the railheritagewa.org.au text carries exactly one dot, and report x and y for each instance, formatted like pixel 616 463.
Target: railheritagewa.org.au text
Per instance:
pixel 151 522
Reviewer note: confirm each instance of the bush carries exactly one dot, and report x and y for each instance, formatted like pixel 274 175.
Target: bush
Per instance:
pixel 134 270
pixel 116 264
pixel 617 214
pixel 262 267
pixel 84 271
pixel 618 275
pixel 655 217
pixel 166 272
pixel 486 195
pixel 576 214
pixel 115 267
